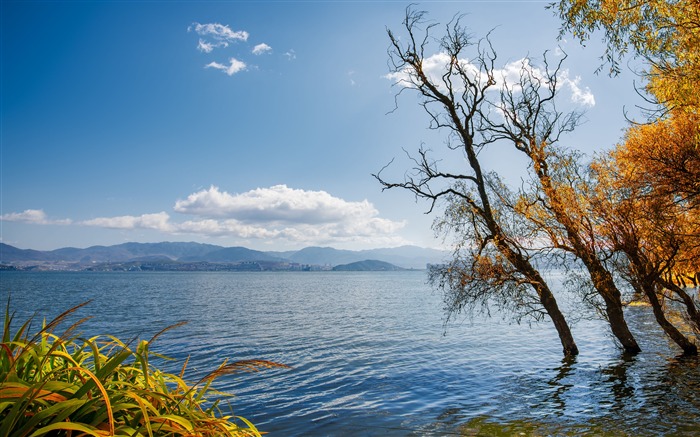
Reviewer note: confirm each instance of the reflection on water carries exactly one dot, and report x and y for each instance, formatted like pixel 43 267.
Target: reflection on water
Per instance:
pixel 631 397
pixel 370 355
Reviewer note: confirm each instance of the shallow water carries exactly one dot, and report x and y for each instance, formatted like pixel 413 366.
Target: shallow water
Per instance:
pixel 371 356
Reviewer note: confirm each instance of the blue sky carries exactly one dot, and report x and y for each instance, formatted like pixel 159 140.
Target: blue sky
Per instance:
pixel 238 123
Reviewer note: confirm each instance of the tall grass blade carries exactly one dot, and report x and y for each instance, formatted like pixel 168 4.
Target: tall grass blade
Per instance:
pixel 102 390
pixel 60 385
pixel 70 426
pixel 164 330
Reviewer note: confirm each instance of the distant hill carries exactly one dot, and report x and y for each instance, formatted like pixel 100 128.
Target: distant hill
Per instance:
pixel 369 265
pixel 232 254
pixel 117 253
pixel 75 258
pixel 10 253
pixel 410 257
pixel 324 256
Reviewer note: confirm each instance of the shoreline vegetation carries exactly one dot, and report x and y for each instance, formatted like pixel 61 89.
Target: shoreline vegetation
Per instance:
pixel 60 383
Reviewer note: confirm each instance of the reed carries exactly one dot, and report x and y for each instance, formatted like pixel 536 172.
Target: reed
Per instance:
pixel 63 385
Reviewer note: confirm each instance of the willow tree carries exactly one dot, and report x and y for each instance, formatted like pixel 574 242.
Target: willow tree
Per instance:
pixel 647 196
pixel 659 162
pixel 649 232
pixel 665 33
pixel 492 263
pixel 558 203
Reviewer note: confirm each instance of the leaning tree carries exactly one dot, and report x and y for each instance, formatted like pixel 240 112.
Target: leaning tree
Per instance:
pixel 493 259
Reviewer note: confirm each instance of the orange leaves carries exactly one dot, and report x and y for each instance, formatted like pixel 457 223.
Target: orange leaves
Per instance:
pixel 664 157
pixel 648 190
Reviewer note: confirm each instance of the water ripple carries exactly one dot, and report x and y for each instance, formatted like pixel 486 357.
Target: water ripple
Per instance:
pixel 370 355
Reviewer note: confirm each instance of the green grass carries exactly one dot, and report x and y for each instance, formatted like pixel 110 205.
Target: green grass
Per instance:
pixel 62 385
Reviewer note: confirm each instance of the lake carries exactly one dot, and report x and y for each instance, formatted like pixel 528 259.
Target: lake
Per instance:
pixel 371 354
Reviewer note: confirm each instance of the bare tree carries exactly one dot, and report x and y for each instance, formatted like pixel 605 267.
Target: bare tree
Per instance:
pixel 492 263
pixel 532 124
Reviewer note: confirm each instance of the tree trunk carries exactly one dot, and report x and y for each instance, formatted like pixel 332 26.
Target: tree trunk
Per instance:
pixel 619 327
pixel 689 348
pixel 601 278
pixel 603 282
pixel 691 309
pixel 545 295
pixel 550 305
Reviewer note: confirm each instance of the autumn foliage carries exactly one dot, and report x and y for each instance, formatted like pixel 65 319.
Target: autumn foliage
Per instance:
pixel 666 34
pixel 648 187
pixel 628 220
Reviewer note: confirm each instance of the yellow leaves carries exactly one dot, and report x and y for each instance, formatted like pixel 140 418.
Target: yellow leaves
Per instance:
pixel 492 267
pixel 664 156
pixel 664 32
pixel 648 191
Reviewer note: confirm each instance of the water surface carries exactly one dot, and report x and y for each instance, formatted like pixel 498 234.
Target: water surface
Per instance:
pixel 371 355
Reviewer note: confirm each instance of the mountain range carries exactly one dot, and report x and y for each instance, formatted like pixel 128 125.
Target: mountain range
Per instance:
pixel 409 257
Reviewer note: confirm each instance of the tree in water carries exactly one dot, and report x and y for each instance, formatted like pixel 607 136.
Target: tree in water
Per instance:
pixel 559 201
pixel 492 261
pixel 656 189
pixel 648 206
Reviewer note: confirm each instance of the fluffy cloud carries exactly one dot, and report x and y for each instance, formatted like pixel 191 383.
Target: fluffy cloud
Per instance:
pixel 36 216
pixel 377 231
pixel 220 35
pixel 508 76
pixel 277 213
pixel 234 66
pixel 213 36
pixel 261 48
pixel 280 212
pixel 581 96
pixel 275 204
pixel 205 47
pixel 159 222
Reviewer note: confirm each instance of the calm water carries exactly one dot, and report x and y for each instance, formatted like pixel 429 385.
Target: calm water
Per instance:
pixel 370 354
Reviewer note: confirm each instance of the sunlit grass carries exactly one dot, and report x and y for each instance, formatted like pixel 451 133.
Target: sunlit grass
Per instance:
pixel 62 385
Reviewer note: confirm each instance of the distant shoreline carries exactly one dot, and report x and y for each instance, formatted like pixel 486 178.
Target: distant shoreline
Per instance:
pixel 173 256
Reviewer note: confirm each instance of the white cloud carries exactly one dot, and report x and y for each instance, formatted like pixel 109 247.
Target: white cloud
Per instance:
pixel 158 221
pixel 435 66
pixel 379 231
pixel 215 35
pixel 277 203
pixel 28 215
pixel 35 216
pixel 218 228
pixel 261 48
pixel 234 66
pixel 274 214
pixel 219 32
pixel 580 96
pixel 205 47
pixel 280 212
pixel 291 55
